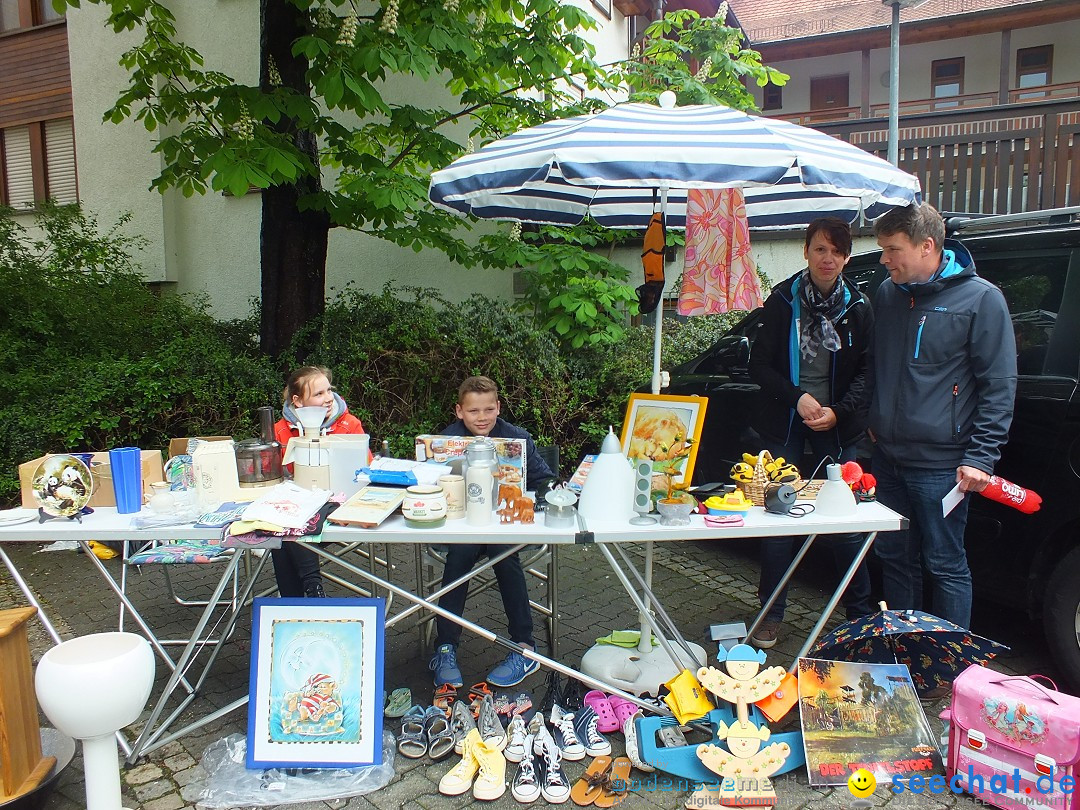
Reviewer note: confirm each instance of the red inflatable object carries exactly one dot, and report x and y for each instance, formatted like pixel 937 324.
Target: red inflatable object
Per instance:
pixel 1013 495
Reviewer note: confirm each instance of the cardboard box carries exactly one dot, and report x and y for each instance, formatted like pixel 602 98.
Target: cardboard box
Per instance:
pixel 152 470
pixel 178 446
pixel 510 454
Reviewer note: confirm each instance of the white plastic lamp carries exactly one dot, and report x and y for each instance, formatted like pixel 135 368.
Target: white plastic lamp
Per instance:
pixel 835 497
pixel 91 687
pixel 608 491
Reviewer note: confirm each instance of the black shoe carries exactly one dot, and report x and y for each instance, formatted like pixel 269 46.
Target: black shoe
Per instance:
pixel 314 590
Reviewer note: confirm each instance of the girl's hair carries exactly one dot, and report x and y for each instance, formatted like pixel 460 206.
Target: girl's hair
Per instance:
pixel 299 380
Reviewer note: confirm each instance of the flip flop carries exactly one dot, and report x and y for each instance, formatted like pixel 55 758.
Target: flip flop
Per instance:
pixel 606 719
pixel 590 786
pixel 398 702
pixel 618 783
pixel 503 706
pixel 522 703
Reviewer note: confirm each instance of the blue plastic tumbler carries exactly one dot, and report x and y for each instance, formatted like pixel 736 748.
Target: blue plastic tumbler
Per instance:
pixel 126 467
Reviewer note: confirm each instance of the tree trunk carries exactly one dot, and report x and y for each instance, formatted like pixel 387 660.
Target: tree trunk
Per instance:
pixel 292 242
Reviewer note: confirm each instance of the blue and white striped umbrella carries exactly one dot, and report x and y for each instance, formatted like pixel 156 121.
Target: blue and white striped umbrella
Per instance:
pixel 608 165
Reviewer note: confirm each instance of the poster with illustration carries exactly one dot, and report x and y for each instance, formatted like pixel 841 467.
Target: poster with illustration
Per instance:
pixel 316 671
pixel 863 716
pixel 665 429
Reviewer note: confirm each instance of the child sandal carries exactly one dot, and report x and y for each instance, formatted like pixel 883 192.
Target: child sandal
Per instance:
pixel 522 703
pixel 440 738
pixel 606 719
pixel 590 786
pixel 444 698
pixel 412 741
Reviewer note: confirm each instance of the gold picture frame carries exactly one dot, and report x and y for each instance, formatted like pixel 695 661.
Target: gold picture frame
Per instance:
pixel 666 429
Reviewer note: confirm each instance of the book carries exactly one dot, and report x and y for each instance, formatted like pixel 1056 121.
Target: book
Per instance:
pixel 857 715
pixel 369 507
pixel 577 480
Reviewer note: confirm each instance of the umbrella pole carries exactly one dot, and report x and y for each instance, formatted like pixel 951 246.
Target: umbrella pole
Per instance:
pixel 645 639
pixel 658 313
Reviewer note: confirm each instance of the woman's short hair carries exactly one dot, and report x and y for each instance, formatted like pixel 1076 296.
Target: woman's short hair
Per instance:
pixel 835 230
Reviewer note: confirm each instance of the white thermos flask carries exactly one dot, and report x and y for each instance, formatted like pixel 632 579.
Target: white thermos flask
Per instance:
pixel 479 481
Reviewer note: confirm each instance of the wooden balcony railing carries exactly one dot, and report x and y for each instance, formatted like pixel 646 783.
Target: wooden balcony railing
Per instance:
pixel 1049 92
pixel 993 160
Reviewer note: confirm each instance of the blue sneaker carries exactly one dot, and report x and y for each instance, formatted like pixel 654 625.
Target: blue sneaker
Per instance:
pixel 513 670
pixel 444 665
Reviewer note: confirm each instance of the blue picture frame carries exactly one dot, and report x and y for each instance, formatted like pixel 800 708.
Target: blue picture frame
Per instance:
pixel 316 683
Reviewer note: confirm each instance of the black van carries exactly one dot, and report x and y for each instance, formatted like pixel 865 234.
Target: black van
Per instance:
pixel 1016 559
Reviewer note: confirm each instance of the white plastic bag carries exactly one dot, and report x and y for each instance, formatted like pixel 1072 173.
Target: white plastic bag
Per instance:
pixel 229 784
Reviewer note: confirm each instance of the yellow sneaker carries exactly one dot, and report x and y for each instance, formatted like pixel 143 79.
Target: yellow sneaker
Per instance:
pixel 459 778
pixel 491 783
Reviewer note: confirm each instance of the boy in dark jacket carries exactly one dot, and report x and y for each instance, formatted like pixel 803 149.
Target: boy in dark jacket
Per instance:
pixel 478 415
pixel 810 361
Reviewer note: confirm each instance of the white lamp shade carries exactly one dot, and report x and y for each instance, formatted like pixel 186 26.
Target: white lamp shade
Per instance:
pixel 835 497
pixel 94 685
pixel 608 492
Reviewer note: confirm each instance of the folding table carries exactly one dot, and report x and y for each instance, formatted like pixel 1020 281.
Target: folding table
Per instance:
pixel 609 538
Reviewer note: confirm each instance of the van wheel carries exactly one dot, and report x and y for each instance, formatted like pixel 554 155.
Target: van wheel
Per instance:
pixel 1061 615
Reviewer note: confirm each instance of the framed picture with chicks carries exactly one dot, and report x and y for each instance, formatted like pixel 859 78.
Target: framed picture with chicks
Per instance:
pixel 665 429
pixel 315 690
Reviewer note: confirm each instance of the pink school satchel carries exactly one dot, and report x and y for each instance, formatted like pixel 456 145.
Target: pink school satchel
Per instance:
pixel 1020 737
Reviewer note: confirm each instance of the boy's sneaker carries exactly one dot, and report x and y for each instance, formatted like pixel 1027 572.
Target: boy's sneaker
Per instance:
pixel 766 634
pixel 513 670
pixel 595 743
pixel 562 725
pixel 444 664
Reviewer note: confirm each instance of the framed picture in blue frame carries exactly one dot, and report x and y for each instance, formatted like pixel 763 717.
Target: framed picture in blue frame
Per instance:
pixel 315 691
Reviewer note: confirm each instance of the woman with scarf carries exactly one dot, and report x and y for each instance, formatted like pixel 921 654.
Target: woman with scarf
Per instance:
pixel 810 361
pixel 296 568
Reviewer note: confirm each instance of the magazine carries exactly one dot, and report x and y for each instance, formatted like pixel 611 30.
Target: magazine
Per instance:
pixel 863 716
pixel 577 480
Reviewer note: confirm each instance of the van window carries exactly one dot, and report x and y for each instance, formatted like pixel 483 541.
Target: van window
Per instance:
pixel 1033 286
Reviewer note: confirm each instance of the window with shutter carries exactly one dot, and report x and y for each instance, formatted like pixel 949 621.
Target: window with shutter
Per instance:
pixel 60 161
pixel 18 176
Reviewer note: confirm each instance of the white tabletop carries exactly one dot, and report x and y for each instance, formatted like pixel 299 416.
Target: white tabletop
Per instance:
pixel 106 524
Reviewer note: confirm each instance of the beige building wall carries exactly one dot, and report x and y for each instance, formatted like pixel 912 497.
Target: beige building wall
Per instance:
pixel 209 245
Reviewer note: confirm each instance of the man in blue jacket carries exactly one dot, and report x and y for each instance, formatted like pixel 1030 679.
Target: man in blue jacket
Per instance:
pixel 943 371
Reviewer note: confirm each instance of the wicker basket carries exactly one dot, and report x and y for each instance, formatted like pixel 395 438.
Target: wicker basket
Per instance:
pixel 754 489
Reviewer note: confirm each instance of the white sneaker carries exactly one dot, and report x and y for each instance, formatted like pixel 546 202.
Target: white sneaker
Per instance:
pixel 538 730
pixel 566 738
pixel 515 749
pixel 633 750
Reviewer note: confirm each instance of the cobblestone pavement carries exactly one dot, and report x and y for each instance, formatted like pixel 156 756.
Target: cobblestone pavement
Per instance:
pixel 700 583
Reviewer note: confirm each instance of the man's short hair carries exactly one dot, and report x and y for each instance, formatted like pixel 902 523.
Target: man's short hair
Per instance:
pixel 476 385
pixel 917 222
pixel 833 229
